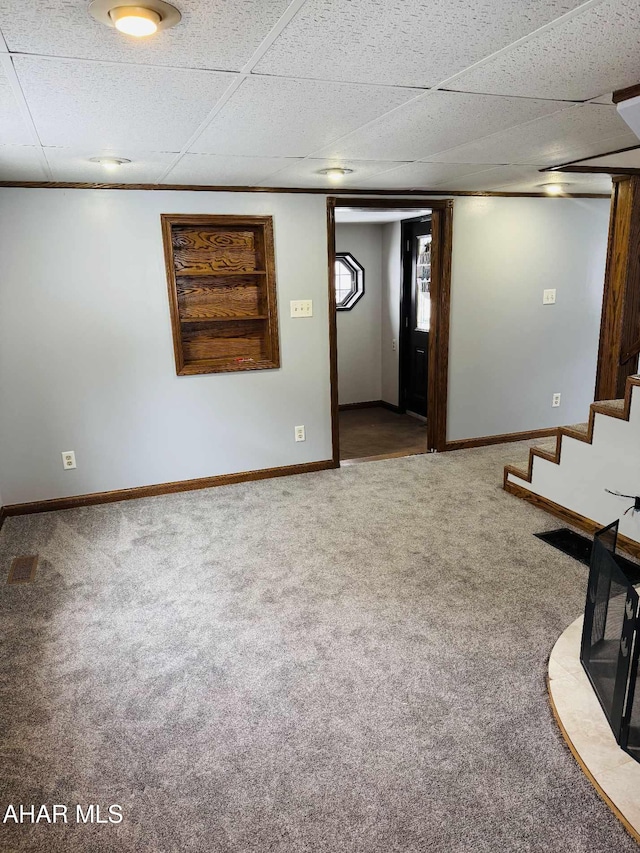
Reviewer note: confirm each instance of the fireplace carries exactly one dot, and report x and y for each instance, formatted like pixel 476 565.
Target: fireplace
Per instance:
pixel 611 640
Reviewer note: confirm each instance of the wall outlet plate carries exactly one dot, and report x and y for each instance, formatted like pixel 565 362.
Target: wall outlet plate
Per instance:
pixel 300 433
pixel 555 400
pixel 549 296
pixel 68 460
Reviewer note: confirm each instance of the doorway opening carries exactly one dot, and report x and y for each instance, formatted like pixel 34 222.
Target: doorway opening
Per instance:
pixel 389 281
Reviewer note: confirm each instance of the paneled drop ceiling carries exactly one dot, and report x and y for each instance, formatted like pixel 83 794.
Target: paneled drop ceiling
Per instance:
pixel 410 94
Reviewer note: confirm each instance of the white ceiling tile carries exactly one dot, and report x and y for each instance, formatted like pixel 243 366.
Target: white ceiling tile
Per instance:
pixel 573 183
pixel 212 33
pixel 621 160
pixel 305 173
pixel 14 130
pixel 401 42
pixel 21 163
pixel 225 171
pixel 574 132
pixel 272 117
pixel 83 104
pixel 489 177
pixel 435 122
pixel 593 52
pixel 74 164
pixel 419 175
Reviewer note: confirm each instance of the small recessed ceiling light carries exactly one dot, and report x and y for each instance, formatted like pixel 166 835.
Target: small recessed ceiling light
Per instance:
pixel 110 163
pixel 335 173
pixel 136 21
pixel 554 188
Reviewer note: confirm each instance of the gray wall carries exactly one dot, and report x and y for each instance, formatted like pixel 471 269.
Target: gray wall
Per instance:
pixel 359 368
pixel 508 352
pixel 86 359
pixel 390 325
pixel 86 356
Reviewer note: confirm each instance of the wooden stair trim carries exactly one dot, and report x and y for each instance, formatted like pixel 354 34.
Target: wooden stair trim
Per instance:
pixel 569 516
pixel 598 408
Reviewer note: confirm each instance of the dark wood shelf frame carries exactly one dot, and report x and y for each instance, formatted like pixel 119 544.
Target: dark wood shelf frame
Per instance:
pixel 222 292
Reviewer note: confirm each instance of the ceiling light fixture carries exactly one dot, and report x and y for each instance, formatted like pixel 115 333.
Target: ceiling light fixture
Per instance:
pixel 110 163
pixel 335 173
pixel 138 21
pixel 554 189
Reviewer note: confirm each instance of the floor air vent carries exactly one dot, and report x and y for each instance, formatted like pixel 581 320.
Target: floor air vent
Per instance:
pixel 23 569
pixel 579 547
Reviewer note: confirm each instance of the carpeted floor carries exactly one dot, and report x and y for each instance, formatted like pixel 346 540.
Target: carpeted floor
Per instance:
pixel 346 661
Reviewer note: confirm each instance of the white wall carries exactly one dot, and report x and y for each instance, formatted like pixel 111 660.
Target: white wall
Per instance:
pixel 586 470
pixel 508 352
pixel 86 356
pixel 390 325
pixel 359 368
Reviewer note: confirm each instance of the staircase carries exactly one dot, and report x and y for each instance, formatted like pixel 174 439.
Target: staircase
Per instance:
pixel 567 474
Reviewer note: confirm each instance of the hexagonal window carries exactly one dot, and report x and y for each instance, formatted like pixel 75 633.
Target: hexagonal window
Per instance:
pixel 349 279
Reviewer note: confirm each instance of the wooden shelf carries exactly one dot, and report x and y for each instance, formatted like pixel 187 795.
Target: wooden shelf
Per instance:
pixel 235 319
pixel 217 273
pixel 234 324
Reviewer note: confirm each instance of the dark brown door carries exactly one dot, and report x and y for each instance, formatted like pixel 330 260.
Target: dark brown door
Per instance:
pixel 416 315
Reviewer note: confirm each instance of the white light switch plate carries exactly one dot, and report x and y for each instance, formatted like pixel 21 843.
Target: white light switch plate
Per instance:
pixel 302 308
pixel 549 297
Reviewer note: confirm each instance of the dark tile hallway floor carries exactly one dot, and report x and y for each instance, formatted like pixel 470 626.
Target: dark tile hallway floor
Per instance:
pixel 377 431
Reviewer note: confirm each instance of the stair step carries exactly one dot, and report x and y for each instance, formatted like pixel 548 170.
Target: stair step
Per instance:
pixel 580 431
pixel 547 446
pixel 616 407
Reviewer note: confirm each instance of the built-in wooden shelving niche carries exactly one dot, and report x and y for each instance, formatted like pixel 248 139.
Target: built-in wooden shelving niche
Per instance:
pixel 222 292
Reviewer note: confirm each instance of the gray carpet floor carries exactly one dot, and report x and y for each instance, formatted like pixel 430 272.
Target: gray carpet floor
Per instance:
pixel 346 661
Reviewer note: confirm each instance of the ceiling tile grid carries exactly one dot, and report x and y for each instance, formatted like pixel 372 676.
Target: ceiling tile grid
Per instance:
pixel 577 131
pixel 437 121
pixel 273 117
pixel 14 130
pixel 216 170
pixel 418 175
pixel 306 173
pixel 339 82
pixel 593 52
pixel 21 163
pixel 74 164
pixel 401 42
pixel 112 106
pixel 213 34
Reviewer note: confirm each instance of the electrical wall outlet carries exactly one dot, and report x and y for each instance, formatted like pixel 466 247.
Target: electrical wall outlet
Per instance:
pixel 68 460
pixel 549 296
pixel 302 308
pixel 394 344
pixel 300 434
pixel 555 401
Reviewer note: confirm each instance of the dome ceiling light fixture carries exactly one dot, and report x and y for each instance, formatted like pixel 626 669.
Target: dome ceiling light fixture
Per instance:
pixel 137 21
pixel 110 163
pixel 335 173
pixel 555 188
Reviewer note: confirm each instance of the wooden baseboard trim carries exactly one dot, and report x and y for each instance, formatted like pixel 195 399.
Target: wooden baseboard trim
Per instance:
pixel 623 820
pixel 3 515
pixel 371 404
pixel 165 488
pixel 568 515
pixel 466 443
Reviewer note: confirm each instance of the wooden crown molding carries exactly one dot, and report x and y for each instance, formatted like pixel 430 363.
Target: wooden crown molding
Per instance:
pixel 328 191
pixel 626 94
